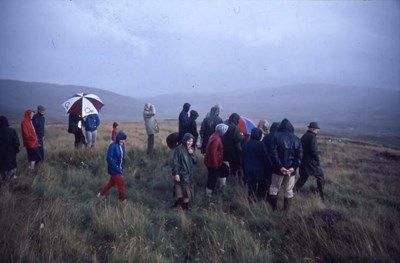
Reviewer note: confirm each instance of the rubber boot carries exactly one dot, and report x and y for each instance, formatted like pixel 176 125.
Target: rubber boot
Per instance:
pixel 185 206
pixel 320 190
pixel 286 203
pixel 177 203
pixel 209 192
pixel 222 182
pixel 273 199
pixel 150 144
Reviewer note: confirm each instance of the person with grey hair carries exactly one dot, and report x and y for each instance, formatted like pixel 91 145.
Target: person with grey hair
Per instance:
pixel 151 125
pixel 213 159
pixel 263 125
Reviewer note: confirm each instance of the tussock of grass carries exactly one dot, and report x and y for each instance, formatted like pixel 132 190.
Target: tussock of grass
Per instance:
pixel 52 214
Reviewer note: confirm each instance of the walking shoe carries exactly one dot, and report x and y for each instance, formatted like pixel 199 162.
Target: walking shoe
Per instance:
pixel 101 197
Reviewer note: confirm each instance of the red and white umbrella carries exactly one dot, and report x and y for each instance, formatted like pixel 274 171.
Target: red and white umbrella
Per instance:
pixel 83 104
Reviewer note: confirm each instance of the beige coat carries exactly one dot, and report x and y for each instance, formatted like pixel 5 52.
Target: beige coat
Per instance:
pixel 150 121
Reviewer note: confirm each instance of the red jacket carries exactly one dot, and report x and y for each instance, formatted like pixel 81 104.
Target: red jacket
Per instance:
pixel 214 151
pixel 28 131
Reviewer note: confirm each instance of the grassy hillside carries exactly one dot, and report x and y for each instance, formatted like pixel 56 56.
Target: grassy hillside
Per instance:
pixel 52 214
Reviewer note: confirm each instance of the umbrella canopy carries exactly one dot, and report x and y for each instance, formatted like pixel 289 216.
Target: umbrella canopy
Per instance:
pixel 245 125
pixel 83 104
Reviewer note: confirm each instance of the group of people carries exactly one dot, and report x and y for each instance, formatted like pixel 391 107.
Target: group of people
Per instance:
pixel 91 124
pixel 266 160
pixel 32 131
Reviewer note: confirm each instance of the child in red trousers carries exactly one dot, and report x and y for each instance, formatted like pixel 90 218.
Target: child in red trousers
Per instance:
pixel 115 159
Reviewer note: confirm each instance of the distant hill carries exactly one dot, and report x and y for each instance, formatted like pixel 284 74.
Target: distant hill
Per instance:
pixel 356 110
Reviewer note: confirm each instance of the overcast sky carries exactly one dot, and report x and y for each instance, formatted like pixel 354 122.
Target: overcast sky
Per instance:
pixel 145 48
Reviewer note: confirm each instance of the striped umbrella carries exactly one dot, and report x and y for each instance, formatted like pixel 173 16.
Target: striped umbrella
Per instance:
pixel 83 104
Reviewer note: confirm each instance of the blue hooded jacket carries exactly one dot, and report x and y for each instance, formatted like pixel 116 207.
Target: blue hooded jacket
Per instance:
pixel 286 149
pixel 256 160
pixel 92 122
pixel 116 155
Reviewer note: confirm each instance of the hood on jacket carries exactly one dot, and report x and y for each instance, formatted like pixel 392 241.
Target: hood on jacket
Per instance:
pixel 234 119
pixel 274 127
pixel 186 107
pixel 120 136
pixel 256 134
pixel 147 106
pixel 214 111
pixel 286 126
pixel 4 122
pixel 218 109
pixel 193 114
pixel 186 137
pixel 28 113
pixel 221 129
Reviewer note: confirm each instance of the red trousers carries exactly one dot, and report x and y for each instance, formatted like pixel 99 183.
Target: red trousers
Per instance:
pixel 119 181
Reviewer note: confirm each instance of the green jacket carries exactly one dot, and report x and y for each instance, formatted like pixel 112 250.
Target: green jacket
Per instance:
pixel 182 162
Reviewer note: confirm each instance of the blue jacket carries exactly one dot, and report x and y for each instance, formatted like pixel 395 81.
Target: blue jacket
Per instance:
pixel 92 122
pixel 255 157
pixel 286 149
pixel 116 155
pixel 183 121
pixel 38 122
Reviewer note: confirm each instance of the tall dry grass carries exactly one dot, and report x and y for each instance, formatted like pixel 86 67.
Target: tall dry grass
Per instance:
pixel 52 214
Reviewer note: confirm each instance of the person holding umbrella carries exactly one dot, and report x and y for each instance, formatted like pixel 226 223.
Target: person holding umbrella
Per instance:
pixel 75 127
pixel 86 106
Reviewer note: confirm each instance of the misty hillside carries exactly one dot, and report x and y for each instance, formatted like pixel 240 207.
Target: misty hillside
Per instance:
pixel 364 110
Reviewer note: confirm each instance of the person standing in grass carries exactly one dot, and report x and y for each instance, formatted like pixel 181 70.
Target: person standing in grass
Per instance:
pixel 114 131
pixel 208 126
pixel 9 148
pixel 115 160
pixel 267 140
pixel 30 139
pixel 183 159
pixel 192 126
pixel 232 140
pixel 151 125
pixel 263 125
pixel 310 165
pixel 183 121
pixel 75 127
pixel 213 159
pixel 38 121
pixel 286 154
pixel 256 166
pixel 91 123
